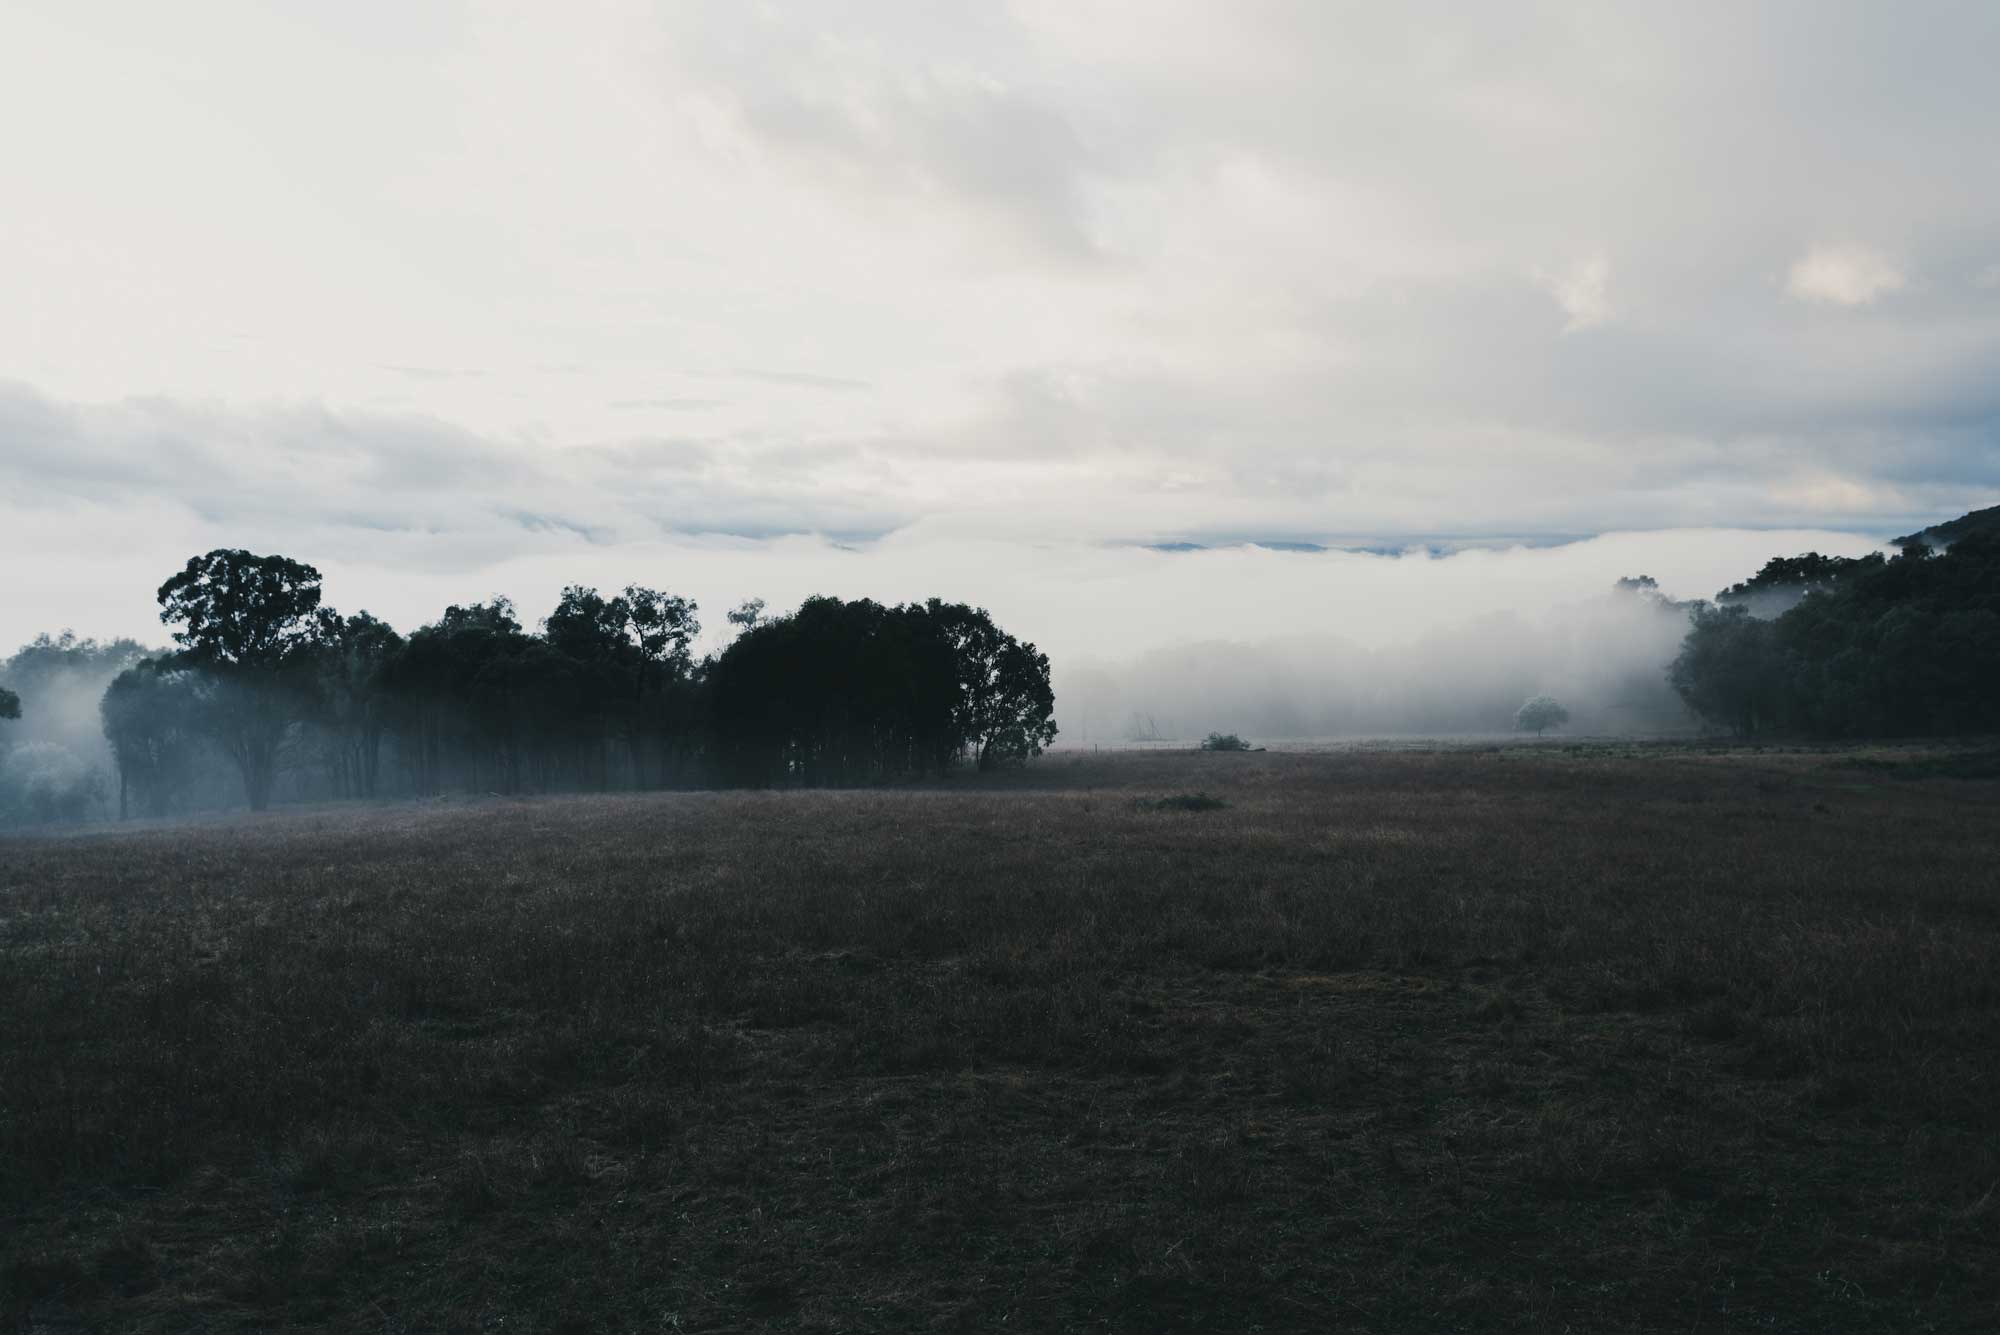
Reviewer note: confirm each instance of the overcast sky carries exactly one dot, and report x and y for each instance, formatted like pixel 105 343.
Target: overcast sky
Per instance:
pixel 454 299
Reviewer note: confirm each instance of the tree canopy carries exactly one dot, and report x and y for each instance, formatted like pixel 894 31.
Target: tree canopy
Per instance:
pixel 1906 645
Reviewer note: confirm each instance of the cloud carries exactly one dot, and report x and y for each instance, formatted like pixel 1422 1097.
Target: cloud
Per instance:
pixel 1843 275
pixel 899 104
pixel 435 372
pixel 1582 292
pixel 1051 272
pixel 803 379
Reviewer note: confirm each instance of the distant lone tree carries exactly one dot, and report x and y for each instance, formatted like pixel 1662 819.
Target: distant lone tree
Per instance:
pixel 250 625
pixel 1224 741
pixel 1540 714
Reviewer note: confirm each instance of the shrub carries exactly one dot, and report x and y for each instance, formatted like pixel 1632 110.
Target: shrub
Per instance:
pixel 1184 802
pixel 1224 741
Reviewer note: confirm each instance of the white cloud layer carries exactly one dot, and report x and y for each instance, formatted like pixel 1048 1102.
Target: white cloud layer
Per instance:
pixel 453 293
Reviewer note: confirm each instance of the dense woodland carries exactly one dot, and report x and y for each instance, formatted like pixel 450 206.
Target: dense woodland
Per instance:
pixel 271 696
pixel 1873 646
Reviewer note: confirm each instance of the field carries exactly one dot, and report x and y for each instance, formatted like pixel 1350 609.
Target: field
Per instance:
pixel 1513 1038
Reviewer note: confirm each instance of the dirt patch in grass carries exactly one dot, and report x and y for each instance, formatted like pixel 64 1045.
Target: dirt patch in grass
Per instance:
pixel 1611 1042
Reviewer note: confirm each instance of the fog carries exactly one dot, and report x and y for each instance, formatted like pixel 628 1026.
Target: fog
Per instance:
pixel 1272 644
pixel 1603 660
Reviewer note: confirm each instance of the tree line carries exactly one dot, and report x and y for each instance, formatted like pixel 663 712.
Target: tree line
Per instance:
pixel 284 693
pixel 1828 646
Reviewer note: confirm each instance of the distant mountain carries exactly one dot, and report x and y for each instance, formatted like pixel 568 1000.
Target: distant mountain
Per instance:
pixel 1945 534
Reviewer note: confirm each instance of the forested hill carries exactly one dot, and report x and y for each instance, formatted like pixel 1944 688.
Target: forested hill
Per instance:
pixel 1952 530
pixel 1871 646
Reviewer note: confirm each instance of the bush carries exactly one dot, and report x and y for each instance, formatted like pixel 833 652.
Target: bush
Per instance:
pixel 1224 741
pixel 1184 802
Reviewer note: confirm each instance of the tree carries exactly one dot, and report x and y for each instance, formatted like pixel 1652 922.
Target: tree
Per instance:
pixel 445 727
pixel 250 625
pixel 664 627
pixel 150 713
pixel 1540 714
pixel 746 614
pixel 1729 670
pixel 1006 705
pixel 351 691
pixel 10 704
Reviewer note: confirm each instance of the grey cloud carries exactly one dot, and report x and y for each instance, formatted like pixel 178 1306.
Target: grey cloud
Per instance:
pixel 905 104
pixel 346 478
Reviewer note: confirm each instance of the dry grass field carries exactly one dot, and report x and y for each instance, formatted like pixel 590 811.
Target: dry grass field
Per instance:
pixel 1535 1038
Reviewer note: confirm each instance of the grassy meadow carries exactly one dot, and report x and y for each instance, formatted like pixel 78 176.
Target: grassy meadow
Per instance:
pixel 1534 1038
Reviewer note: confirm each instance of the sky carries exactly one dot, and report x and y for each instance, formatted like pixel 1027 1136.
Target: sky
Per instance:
pixel 985 300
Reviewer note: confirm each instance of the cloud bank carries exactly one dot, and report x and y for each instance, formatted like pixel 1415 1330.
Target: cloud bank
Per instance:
pixel 726 289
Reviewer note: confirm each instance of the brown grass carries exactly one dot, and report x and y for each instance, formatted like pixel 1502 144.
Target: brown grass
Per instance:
pixel 1466 1040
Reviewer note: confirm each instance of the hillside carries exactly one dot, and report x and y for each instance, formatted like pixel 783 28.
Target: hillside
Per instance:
pixel 1942 535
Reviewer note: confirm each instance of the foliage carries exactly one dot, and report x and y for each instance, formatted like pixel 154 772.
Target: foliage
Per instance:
pixel 350 700
pixel 1540 714
pixel 1005 703
pixel 10 704
pixel 298 701
pixel 1807 573
pixel 837 693
pixel 746 614
pixel 239 611
pixel 1944 535
pixel 150 714
pixel 1224 741
pixel 1729 670
pixel 252 626
pixel 1905 645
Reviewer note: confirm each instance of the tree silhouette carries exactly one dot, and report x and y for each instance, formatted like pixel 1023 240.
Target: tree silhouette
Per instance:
pixel 1540 714
pixel 1729 670
pixel 353 702
pixel 10 704
pixel 150 713
pixel 250 625
pixel 1006 704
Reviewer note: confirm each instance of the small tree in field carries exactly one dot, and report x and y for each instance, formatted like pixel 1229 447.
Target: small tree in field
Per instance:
pixel 1540 714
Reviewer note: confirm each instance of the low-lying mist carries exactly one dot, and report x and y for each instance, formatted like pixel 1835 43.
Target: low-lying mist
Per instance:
pixel 1604 660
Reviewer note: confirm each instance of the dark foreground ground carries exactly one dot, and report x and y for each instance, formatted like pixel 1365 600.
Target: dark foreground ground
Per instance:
pixel 1531 1039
